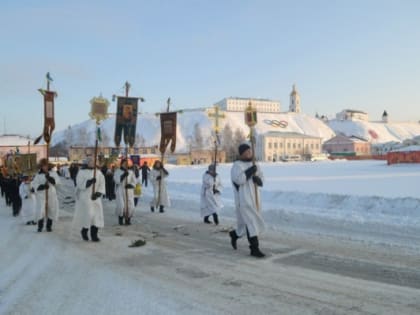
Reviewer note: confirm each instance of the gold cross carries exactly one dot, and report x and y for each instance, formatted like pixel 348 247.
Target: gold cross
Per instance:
pixel 216 114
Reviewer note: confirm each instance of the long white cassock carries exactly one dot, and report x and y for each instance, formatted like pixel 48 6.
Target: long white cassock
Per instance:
pixel 53 207
pixel 245 202
pixel 209 201
pixel 164 197
pixel 87 211
pixel 120 191
pixel 28 202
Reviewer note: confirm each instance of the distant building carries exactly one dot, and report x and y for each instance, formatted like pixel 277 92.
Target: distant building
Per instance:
pixel 294 106
pixel 78 153
pixel 351 114
pixel 343 145
pixel 275 145
pixel 238 104
pixel 197 157
pixel 16 144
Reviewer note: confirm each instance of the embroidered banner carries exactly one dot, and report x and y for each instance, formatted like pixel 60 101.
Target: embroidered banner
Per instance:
pixel 126 120
pixel 168 131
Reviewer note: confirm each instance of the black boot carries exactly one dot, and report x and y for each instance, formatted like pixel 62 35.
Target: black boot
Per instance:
pixel 152 209
pixel 161 209
pixel 94 233
pixel 255 251
pixel 120 220
pixel 40 225
pixel 49 225
pixel 84 233
pixel 216 218
pixel 233 238
pixel 127 221
pixel 206 219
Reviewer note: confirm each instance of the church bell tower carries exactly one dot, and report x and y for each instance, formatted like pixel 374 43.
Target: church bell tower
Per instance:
pixel 294 101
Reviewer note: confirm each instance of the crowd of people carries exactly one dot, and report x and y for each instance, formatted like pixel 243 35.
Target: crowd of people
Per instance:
pixel 35 199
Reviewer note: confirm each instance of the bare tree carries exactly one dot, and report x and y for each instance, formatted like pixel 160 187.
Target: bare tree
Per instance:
pixel 82 137
pixel 227 143
pixel 198 137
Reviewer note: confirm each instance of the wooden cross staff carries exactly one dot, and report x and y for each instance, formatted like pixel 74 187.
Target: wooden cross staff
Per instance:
pixel 216 115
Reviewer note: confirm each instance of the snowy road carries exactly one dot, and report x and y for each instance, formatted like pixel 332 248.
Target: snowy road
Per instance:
pixel 188 267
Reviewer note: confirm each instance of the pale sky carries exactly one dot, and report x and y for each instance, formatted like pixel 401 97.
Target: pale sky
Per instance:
pixel 358 54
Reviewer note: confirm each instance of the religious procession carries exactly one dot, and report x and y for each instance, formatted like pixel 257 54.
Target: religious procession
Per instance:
pixel 31 186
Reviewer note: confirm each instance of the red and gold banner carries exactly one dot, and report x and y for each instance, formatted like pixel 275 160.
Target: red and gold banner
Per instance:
pixel 49 123
pixel 126 120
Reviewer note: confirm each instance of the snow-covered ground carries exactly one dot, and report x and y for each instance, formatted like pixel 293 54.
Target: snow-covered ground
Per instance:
pixel 343 238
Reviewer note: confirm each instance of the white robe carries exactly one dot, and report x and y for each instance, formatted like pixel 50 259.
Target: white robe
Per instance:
pixel 121 194
pixel 87 211
pixel 210 202
pixel 247 214
pixel 28 210
pixel 164 197
pixel 53 207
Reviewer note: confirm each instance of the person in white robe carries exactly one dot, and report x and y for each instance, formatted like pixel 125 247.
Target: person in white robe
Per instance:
pixel 45 183
pixel 125 182
pixel 158 176
pixel 210 197
pixel 247 178
pixel 88 209
pixel 28 210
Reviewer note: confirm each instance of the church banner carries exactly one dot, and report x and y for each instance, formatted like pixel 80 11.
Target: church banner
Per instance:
pixel 168 131
pixel 126 120
pixel 49 123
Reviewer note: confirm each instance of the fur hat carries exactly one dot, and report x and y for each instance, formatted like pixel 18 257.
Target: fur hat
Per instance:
pixel 243 147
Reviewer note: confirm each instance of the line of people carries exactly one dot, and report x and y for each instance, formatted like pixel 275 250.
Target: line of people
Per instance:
pixel 39 202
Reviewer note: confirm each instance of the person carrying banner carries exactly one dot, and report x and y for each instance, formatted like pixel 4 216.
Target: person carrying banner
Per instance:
pixel 45 180
pixel 158 176
pixel 125 181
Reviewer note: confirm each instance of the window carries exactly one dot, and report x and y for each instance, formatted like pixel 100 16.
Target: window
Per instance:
pixel 269 145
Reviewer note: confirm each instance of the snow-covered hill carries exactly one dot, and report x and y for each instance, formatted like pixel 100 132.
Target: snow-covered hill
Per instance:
pixel 375 131
pixel 148 128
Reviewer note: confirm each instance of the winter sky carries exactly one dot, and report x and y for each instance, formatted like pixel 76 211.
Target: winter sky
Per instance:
pixel 341 54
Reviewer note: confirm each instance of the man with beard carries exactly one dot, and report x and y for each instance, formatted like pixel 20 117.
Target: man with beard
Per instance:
pixel 246 179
